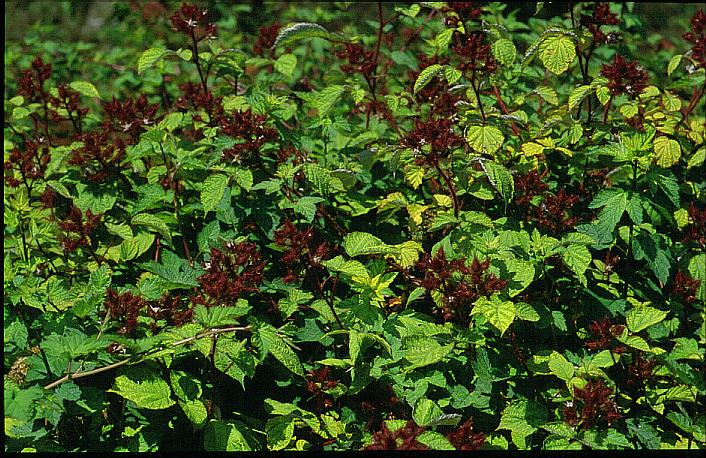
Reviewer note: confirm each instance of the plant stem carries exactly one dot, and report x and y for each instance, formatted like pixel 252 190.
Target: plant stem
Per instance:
pixel 452 191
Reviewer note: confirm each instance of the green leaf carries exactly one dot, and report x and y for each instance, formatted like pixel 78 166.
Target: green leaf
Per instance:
pixel 452 74
pixel 426 75
pixel 360 243
pixel 425 411
pixel 639 318
pixel 499 313
pixel 614 202
pixel 286 64
pixel 195 411
pixel 667 151
pixel 352 267
pixel 226 436
pixel 500 178
pixel 85 88
pixel 435 441
pixel 299 31
pixel 697 159
pixel 211 317
pixel 212 191
pixel 145 388
pixel 697 269
pixel 560 366
pixel 634 208
pixel 578 94
pixel 149 58
pixel 274 344
pixel 422 351
pixel 153 223
pixel 504 52
pixel 325 100
pixel 280 432
pixel 548 94
pixel 522 418
pixel 526 312
pixel 577 258
pixel 484 139
pixel 306 206
pixel 557 53
pixel 673 64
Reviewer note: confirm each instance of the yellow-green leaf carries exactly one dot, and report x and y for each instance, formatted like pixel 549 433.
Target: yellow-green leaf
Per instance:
pixel 557 53
pixel 667 151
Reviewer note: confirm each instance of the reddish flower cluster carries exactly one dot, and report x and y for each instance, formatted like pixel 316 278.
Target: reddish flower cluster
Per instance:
pixel 464 438
pixel 438 133
pixel 68 99
pixel 124 308
pixel 465 11
pixel 640 370
pixel 625 78
pixel 318 382
pixel 300 249
pixel 31 82
pixel 191 21
pixel 404 438
pixel 129 116
pixel 78 231
pixel 172 309
pixel 596 403
pixel 266 39
pixel 685 287
pixel 460 285
pixel 601 16
pixel 359 60
pixel 529 185
pixel 100 155
pixel 31 163
pixel 251 128
pixel 475 56
pixel 553 212
pixel 695 231
pixel 697 35
pixel 194 98
pixel 605 332
pixel 230 273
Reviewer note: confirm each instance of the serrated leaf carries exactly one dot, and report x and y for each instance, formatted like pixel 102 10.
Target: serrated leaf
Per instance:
pixel 426 75
pixel 557 53
pixel 614 203
pixel 578 94
pixel 351 267
pixel 360 243
pixel 280 432
pixel 286 64
pixel 452 74
pixel 325 100
pixel 195 411
pixel 697 159
pixel 299 31
pixel 484 139
pixel 145 388
pixel 526 312
pixel 500 178
pixel 153 223
pixel 226 436
pixel 85 88
pixel 499 313
pixel 422 351
pixel 560 366
pixel 577 258
pixel 548 94
pixel 279 349
pixel 639 318
pixel 504 51
pixel 212 191
pixel 306 206
pixel 435 441
pixel 425 411
pixel 522 418
pixel 149 58
pixel 414 176
pixel 667 151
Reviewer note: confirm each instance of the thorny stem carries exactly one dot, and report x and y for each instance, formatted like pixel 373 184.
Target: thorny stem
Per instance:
pixel 692 104
pixel 504 109
pixel 139 358
pixel 475 91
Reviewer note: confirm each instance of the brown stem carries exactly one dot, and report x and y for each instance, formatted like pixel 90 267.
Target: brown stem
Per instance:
pixel 504 109
pixel 692 104
pixel 452 191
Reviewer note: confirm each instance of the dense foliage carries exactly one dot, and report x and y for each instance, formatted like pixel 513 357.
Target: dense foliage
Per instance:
pixel 443 228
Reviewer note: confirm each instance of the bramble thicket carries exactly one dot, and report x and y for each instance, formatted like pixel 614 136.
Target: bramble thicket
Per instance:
pixel 446 226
